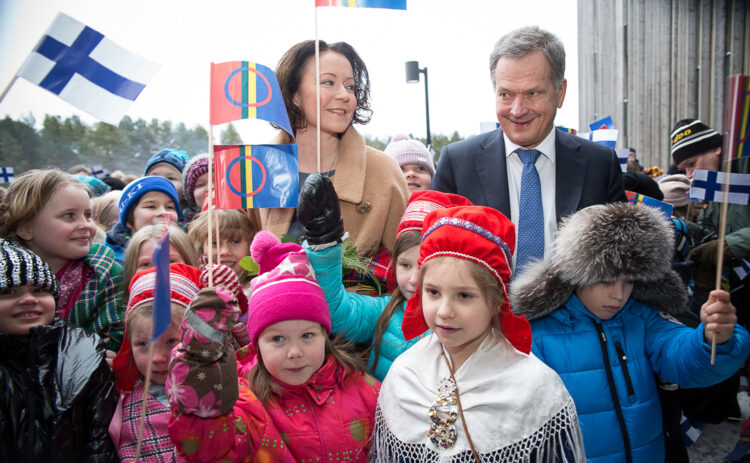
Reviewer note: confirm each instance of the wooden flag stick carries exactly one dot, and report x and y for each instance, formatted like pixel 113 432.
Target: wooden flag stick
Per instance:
pixel 144 404
pixel 10 84
pixel 210 204
pixel 720 247
pixel 317 89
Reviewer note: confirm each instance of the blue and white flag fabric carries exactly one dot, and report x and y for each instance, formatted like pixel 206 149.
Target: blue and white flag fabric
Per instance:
pixel 742 270
pixel 622 155
pixel 162 311
pixel 708 185
pixel 98 171
pixel 605 122
pixel 6 174
pixel 87 70
pixel 606 137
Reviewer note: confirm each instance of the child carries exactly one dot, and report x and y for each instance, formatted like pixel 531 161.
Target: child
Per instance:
pixel 142 203
pixel 235 234
pixel 140 250
pixel 600 311
pixel 168 163
pixel 49 212
pixel 194 185
pixel 57 395
pixel 131 363
pixel 415 161
pixel 365 319
pixel 470 390
pixel 303 400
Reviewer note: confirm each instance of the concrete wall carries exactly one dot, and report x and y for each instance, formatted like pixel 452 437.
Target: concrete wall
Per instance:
pixel 649 63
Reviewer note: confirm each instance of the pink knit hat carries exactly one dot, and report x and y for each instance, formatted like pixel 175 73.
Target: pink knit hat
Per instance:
pixel 675 188
pixel 285 288
pixel 409 151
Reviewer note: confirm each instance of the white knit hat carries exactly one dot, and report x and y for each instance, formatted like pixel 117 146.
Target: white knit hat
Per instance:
pixel 406 150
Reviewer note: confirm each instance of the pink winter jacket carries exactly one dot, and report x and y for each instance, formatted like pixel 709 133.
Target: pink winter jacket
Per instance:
pixel 216 417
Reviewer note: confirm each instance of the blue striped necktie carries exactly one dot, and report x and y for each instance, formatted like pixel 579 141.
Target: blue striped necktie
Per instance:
pixel 530 242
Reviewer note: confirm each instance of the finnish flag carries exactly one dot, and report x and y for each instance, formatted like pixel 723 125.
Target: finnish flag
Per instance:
pixel 87 70
pixel 708 185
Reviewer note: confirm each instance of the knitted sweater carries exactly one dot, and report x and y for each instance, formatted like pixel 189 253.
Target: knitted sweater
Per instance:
pixel 372 195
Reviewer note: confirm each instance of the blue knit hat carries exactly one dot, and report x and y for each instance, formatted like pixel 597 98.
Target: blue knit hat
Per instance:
pixel 176 158
pixel 137 188
pixel 96 186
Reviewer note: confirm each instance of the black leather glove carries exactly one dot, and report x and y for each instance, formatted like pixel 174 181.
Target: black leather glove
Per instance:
pixel 318 211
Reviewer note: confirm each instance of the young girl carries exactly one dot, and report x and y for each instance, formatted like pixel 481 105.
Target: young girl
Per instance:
pixel 49 212
pixel 375 321
pixel 131 363
pixel 303 400
pixel 141 248
pixel 470 391
pixel 194 186
pixel 169 164
pixel 415 161
pixel 143 202
pixel 57 395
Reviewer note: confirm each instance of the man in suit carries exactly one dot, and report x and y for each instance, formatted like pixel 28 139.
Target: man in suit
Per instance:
pixel 527 68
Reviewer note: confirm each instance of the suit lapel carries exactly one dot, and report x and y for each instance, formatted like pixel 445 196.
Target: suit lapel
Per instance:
pixel 492 173
pixel 570 166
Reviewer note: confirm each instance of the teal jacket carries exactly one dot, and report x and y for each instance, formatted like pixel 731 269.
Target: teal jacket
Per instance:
pixel 354 316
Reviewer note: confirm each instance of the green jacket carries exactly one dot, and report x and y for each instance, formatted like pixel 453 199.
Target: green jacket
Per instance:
pixel 738 220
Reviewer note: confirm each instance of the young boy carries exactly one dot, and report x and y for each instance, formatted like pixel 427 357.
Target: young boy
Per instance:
pixel 57 393
pixel 168 163
pixel 143 202
pixel 600 316
pixel 415 161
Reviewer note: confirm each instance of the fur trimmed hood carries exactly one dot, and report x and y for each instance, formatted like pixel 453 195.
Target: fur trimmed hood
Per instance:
pixel 600 244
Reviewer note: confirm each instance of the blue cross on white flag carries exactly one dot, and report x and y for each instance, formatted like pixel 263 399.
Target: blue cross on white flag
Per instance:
pixel 87 70
pixel 6 174
pixel 708 185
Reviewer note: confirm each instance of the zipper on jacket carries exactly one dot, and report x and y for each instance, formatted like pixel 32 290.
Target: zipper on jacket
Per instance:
pixel 624 366
pixel 613 392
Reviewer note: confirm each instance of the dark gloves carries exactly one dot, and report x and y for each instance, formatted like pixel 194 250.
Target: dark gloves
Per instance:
pixel 318 211
pixel 705 258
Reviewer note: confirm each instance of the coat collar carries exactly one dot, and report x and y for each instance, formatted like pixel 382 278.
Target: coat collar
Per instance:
pixel 491 170
pixel 321 384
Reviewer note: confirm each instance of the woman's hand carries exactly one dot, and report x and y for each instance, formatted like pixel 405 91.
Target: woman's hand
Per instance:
pixel 718 316
pixel 318 211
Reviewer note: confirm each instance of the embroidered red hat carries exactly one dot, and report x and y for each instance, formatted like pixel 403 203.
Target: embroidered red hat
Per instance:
pixel 225 277
pixel 479 234
pixel 184 284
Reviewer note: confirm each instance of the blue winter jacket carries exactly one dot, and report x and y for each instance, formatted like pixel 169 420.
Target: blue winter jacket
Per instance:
pixel 353 315
pixel 638 341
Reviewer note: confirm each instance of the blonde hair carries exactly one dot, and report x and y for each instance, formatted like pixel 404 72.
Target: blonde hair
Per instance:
pixel 404 242
pixel 147 310
pixel 104 209
pixel 263 385
pixel 485 280
pixel 177 238
pixel 27 196
pixel 233 224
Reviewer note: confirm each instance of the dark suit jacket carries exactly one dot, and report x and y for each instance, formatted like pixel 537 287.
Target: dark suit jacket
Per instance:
pixel 586 173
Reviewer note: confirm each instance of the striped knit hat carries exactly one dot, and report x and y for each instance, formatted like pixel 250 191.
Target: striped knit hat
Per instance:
pixel 196 167
pixel 691 137
pixel 21 267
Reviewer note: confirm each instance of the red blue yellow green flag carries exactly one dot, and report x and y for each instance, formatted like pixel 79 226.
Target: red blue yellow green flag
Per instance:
pixel 390 4
pixel 737 117
pixel 643 200
pixel 246 90
pixel 257 176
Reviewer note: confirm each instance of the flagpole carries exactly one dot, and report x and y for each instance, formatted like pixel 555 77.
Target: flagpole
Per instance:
pixel 7 88
pixel 317 89
pixel 144 403
pixel 720 247
pixel 210 204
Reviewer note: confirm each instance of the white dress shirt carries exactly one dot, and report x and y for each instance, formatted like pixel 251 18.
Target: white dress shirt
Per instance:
pixel 545 166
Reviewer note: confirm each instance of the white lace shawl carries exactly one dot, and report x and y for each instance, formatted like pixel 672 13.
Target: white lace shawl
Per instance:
pixel 516 408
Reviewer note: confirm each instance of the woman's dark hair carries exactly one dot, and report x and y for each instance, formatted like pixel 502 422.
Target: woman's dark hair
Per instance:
pixel 291 69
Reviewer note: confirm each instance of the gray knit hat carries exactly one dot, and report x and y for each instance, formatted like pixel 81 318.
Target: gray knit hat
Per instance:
pixel 21 267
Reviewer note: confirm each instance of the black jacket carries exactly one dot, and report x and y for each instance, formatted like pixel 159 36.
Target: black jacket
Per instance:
pixel 57 396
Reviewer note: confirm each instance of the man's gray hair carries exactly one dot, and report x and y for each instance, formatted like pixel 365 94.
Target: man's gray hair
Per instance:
pixel 522 42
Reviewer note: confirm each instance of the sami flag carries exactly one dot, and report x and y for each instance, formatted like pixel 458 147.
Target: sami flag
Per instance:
pixel 605 122
pixel 162 313
pixel 390 4
pixel 566 130
pixel 246 90
pixel 257 176
pixel 736 117
pixel 643 200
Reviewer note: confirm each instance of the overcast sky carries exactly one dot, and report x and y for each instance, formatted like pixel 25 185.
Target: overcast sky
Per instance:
pixel 453 39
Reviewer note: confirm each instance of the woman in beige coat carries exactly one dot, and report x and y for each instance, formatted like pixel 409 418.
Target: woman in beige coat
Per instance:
pixel 370 186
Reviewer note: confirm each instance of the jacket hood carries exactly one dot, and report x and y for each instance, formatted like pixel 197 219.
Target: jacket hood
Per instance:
pixel 600 244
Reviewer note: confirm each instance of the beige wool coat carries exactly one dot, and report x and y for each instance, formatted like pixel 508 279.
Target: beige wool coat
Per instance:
pixel 372 195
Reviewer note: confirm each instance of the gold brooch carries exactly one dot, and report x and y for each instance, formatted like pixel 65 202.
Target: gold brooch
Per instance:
pixel 443 415
pixel 364 207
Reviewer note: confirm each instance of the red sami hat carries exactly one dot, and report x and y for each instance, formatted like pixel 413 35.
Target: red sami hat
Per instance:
pixel 184 284
pixel 482 235
pixel 420 204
